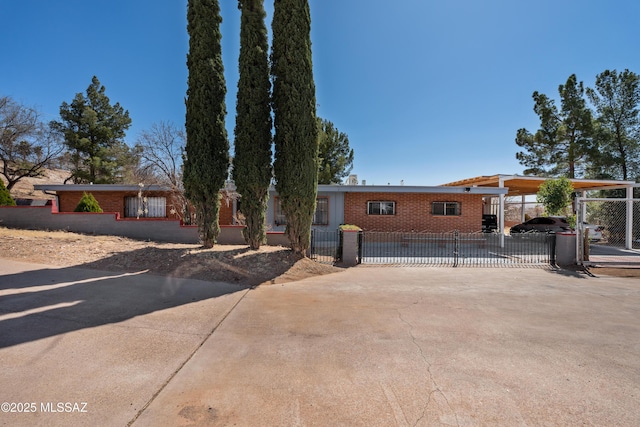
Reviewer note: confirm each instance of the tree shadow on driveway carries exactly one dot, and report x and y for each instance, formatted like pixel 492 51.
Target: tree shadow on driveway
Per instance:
pixel 41 303
pixel 75 299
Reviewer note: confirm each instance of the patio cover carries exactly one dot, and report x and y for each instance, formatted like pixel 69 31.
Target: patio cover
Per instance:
pixel 528 185
pixel 519 185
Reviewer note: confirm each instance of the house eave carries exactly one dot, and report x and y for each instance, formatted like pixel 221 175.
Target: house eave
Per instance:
pixel 98 187
pixel 485 191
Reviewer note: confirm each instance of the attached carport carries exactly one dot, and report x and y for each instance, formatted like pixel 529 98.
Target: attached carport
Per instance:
pixel 524 186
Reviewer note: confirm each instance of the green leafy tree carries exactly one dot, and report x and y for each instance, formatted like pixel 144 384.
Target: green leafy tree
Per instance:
pixel 562 145
pixel 88 203
pixel 335 157
pixel 27 147
pixel 94 132
pixel 252 171
pixel 616 98
pixel 5 196
pixel 556 196
pixel 296 129
pixel 206 160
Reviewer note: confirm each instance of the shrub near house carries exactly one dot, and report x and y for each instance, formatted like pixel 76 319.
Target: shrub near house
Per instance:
pixel 88 203
pixel 5 197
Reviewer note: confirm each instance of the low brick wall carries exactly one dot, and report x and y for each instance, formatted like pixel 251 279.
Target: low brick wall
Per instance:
pixel 110 223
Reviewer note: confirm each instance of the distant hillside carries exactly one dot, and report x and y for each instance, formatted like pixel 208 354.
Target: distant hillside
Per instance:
pixel 24 188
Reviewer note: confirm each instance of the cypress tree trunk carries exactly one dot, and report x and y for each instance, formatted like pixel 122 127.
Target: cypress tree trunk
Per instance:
pixel 294 107
pixel 252 162
pixel 206 160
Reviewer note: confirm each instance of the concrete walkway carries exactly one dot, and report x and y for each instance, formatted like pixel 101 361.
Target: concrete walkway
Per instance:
pixel 370 346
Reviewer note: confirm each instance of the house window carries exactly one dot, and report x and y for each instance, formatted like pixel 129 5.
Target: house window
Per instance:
pixel 321 216
pixel 279 217
pixel 381 208
pixel 445 208
pixel 145 207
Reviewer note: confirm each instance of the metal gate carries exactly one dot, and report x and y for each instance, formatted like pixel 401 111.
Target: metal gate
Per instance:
pixel 608 232
pixel 326 246
pixel 457 249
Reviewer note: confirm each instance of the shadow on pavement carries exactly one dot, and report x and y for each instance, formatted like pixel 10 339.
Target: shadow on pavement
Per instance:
pixel 571 271
pixel 42 303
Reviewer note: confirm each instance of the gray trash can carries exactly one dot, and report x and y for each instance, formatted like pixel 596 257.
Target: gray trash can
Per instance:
pixel 566 248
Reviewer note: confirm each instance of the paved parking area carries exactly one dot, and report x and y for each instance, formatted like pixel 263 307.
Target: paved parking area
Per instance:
pixel 368 346
pixel 609 256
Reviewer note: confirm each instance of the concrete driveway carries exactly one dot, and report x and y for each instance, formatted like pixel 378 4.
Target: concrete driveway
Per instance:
pixel 369 346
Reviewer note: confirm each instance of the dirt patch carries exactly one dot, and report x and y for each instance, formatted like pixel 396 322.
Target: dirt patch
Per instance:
pixel 230 264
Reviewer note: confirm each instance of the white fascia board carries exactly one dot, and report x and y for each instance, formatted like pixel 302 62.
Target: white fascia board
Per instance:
pixel 97 187
pixel 493 191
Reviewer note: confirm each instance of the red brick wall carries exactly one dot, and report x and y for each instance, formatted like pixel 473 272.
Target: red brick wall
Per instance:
pixel 413 212
pixel 113 201
pixel 225 217
pixel 109 201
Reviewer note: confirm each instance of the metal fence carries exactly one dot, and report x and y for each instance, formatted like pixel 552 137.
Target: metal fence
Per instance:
pixel 609 231
pixel 457 249
pixel 326 246
pixel 611 216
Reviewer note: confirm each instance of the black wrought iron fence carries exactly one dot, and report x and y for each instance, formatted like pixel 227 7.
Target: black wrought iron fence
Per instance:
pixel 326 246
pixel 457 249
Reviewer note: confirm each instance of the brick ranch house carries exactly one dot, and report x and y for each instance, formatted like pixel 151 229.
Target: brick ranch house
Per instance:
pixel 371 207
pixel 153 213
pixel 395 208
pixel 127 201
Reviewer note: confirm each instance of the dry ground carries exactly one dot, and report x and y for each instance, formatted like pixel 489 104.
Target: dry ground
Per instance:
pixel 231 264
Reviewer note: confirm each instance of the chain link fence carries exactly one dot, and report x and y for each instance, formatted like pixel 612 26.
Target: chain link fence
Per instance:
pixel 605 221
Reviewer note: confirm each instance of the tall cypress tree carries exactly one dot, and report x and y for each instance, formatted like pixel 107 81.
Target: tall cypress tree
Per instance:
pixel 252 161
pixel 294 107
pixel 206 161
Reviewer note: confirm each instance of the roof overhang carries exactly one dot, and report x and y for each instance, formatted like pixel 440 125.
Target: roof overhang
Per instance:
pixel 98 187
pixel 486 191
pixel 528 185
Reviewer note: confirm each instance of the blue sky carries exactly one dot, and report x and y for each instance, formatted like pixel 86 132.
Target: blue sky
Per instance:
pixel 428 91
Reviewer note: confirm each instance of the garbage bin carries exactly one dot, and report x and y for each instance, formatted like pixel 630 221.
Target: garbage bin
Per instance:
pixel 566 248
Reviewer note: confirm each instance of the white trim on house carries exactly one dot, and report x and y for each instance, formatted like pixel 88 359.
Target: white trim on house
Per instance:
pixel 98 187
pixel 487 191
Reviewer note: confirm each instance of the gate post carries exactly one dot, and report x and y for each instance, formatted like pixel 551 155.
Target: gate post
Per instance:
pixel 581 214
pixel 350 245
pixel 628 238
pixel 456 248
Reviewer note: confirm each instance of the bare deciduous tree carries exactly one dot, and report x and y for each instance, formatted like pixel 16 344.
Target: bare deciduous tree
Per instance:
pixel 27 146
pixel 161 149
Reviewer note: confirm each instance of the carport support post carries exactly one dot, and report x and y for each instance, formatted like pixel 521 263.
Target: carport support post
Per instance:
pixel 581 214
pixel 501 213
pixel 628 241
